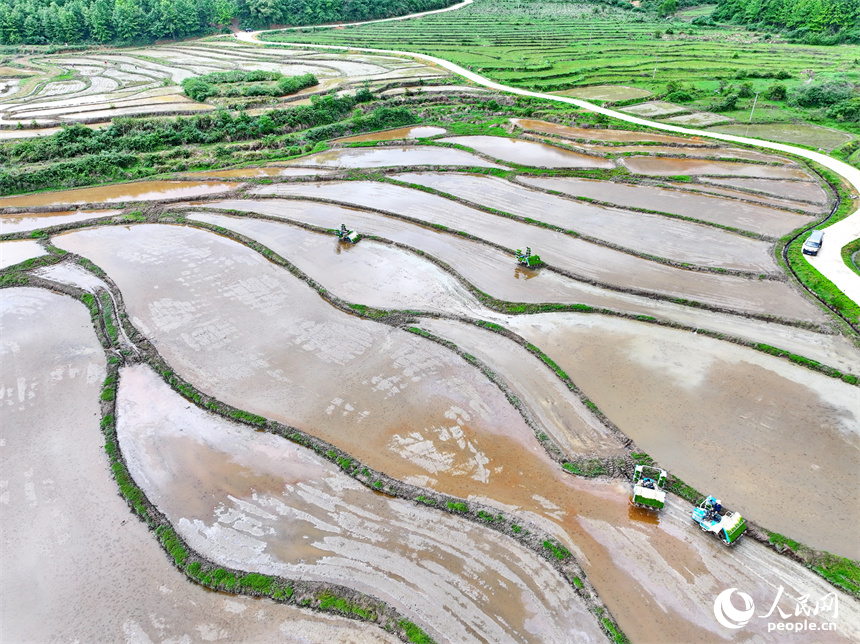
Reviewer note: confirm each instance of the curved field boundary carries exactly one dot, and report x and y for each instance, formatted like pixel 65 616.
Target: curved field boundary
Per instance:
pixel 847 283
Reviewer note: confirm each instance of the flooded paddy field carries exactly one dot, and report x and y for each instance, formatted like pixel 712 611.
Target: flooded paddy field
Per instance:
pixel 237 326
pixel 265 171
pixel 802 133
pixel 673 167
pixel 368 273
pixel 15 252
pixel 761 419
pixel 415 132
pixel 606 92
pixel 62 516
pixel 256 502
pixel 107 84
pixel 646 233
pixel 745 216
pixel 780 203
pixel 601 134
pixel 26 221
pixel 138 191
pixel 528 152
pixel 495 273
pixel 801 190
pixel 588 260
pixel 392 156
pixel 675 151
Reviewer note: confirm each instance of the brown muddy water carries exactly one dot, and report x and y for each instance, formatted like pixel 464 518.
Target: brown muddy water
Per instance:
pixel 697 152
pixel 776 441
pixel 529 153
pixel 494 272
pixel 803 190
pixel 392 156
pixel 672 167
pixel 748 196
pixel 15 252
pixel 599 134
pixel 368 273
pixel 745 216
pixel 590 261
pixel 415 132
pixel 265 171
pixel 82 567
pixel 238 327
pixel 257 502
pixel 654 235
pixel 22 222
pixel 138 191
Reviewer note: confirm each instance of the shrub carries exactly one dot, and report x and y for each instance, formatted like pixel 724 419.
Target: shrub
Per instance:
pixel 848 110
pixel 777 92
pixel 746 90
pixel 680 96
pixel 822 94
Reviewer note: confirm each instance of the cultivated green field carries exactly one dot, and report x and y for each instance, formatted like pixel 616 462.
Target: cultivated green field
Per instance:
pixel 552 46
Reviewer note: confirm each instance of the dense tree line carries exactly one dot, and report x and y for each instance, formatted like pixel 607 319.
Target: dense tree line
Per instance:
pixel 809 21
pixel 36 22
pixel 199 88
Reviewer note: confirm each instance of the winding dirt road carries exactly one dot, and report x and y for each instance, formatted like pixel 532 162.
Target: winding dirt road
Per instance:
pixel 828 261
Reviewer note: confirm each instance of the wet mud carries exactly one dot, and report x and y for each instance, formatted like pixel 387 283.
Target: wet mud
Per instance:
pixel 654 235
pixel 22 222
pixel 369 273
pixel 101 574
pixel 673 167
pixel 15 252
pixel 745 216
pixel 750 196
pixel 529 153
pixel 775 441
pixel 417 132
pixel 494 272
pixel 600 134
pixel 392 156
pixel 803 190
pixel 248 332
pixel 257 502
pixel 139 191
pixel 265 171
pixel 581 258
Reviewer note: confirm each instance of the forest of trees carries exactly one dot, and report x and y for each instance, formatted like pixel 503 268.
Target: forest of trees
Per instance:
pixel 37 22
pixel 822 22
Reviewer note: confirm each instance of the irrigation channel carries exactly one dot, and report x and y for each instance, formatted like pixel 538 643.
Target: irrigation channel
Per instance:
pixel 415 395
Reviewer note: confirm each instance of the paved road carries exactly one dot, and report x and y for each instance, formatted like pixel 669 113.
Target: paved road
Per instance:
pixel 828 262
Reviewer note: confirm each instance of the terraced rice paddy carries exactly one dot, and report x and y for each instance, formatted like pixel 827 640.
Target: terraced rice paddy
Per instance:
pixel 101 86
pixel 415 422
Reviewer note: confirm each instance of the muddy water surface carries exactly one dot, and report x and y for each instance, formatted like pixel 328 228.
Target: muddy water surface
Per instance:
pixel 748 196
pixel 587 260
pixel 642 232
pixel 599 134
pixel 20 222
pixel 368 273
pixel 258 172
pixel 241 328
pixel 257 502
pixel 670 167
pixel 392 156
pixel 529 153
pixel 745 216
pixel 803 190
pixel 494 272
pixel 82 567
pixel 15 252
pixel 417 132
pixel 773 440
pixel 139 191
pixel 554 408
